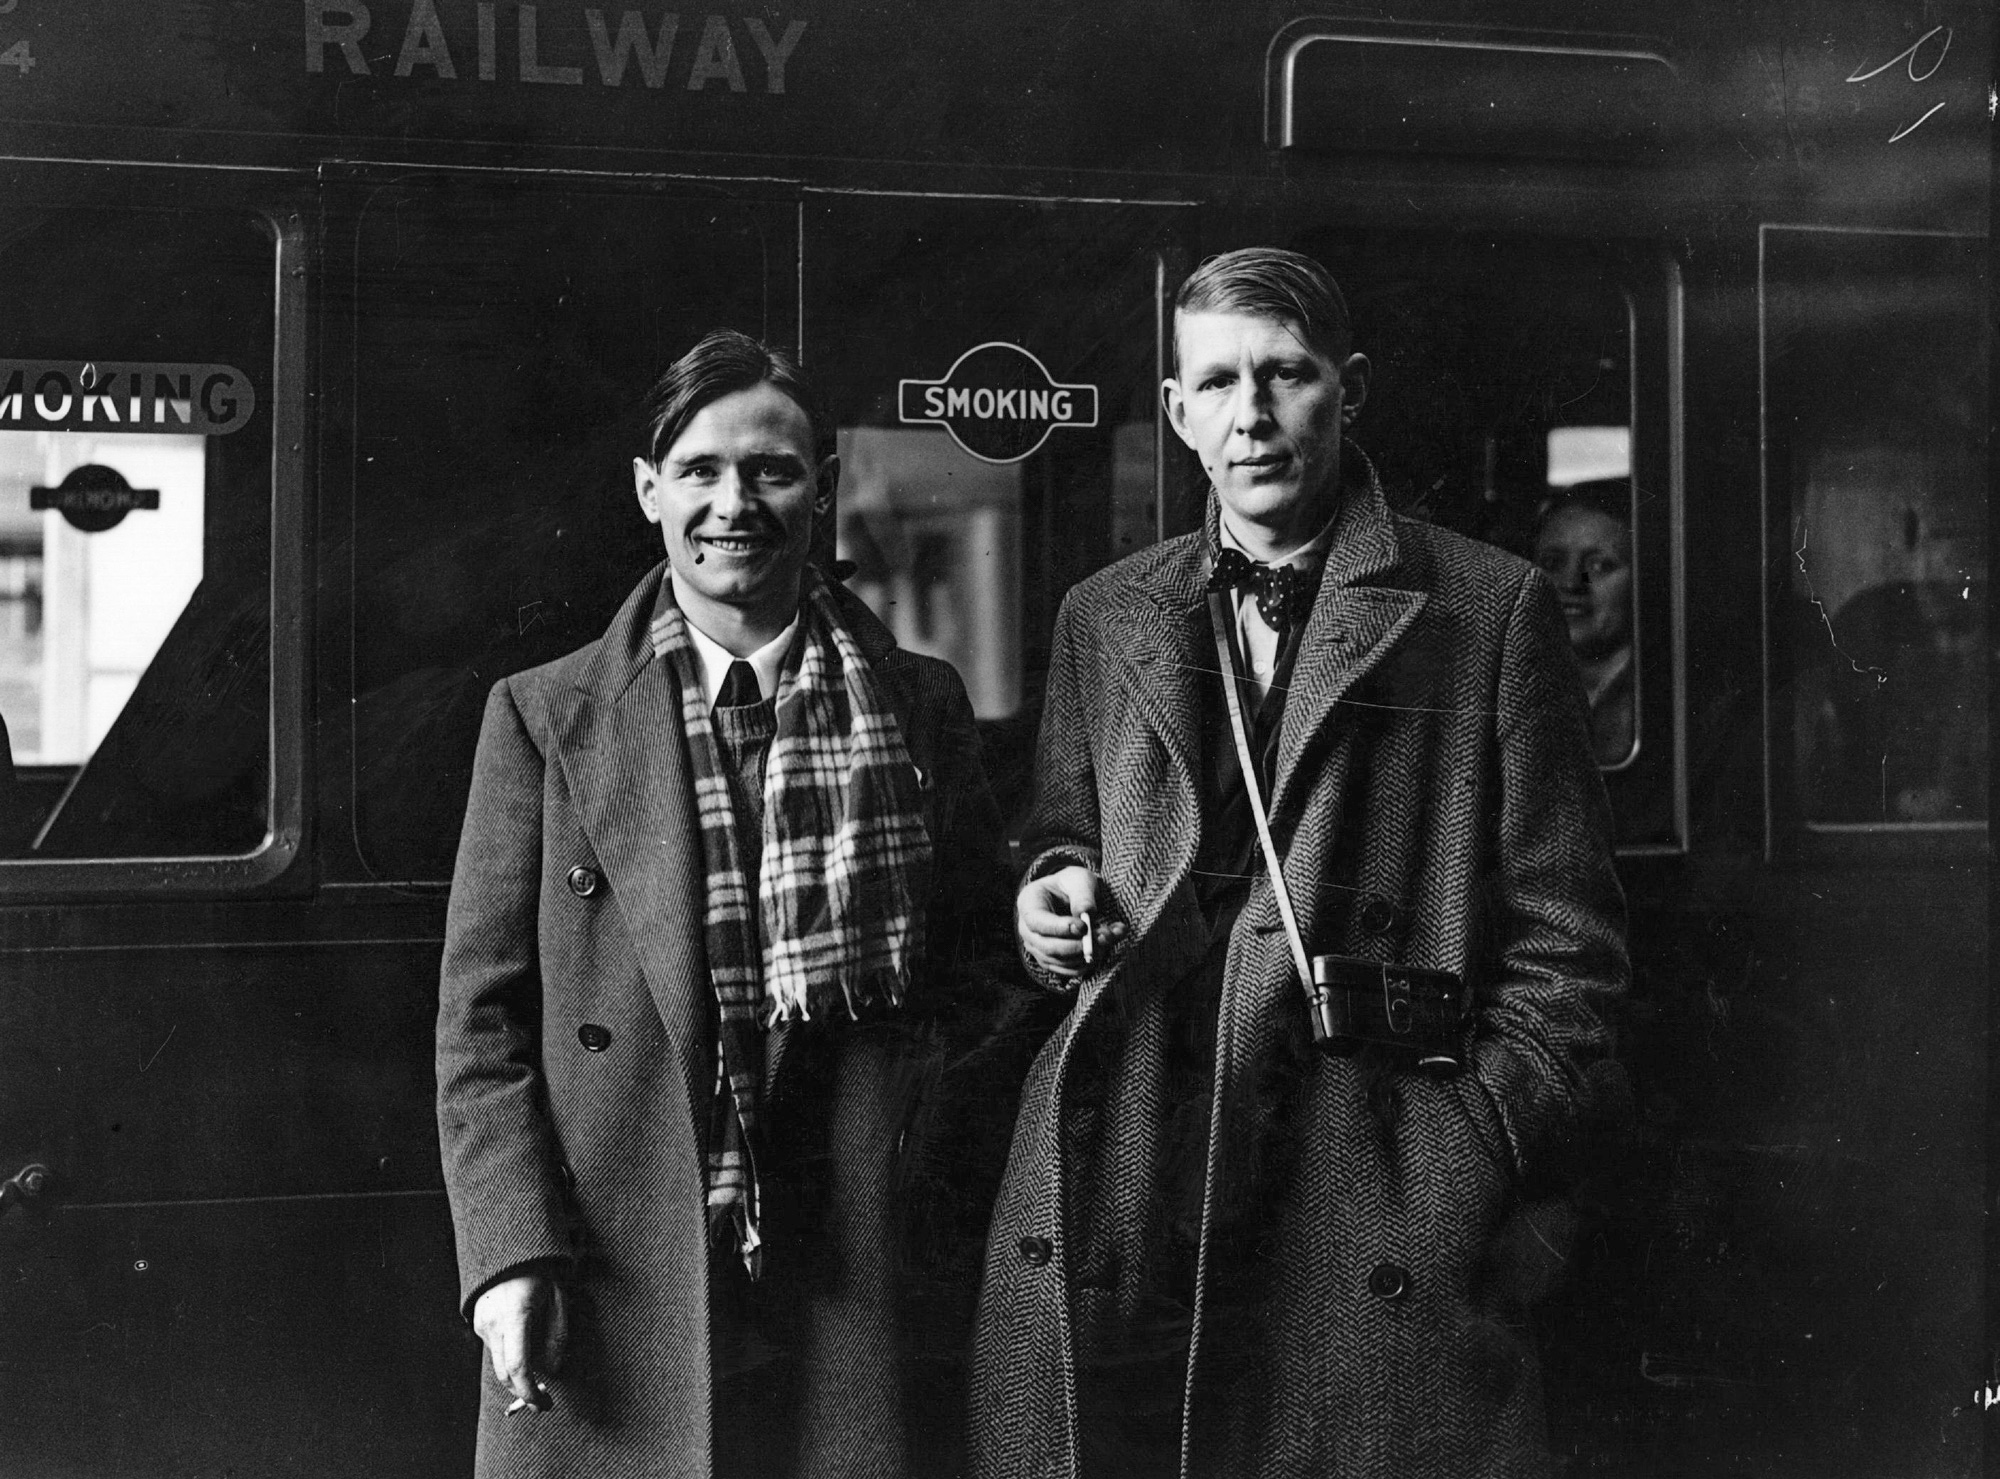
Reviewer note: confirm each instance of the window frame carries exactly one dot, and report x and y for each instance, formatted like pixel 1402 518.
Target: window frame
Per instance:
pixel 1788 831
pixel 35 880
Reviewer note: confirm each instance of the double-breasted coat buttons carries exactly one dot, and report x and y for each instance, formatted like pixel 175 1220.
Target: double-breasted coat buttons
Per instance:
pixel 1389 1281
pixel 595 1039
pixel 1037 1251
pixel 583 881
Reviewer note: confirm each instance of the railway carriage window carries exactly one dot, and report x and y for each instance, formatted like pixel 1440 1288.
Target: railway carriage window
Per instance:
pixel 1506 404
pixel 995 371
pixel 504 335
pixel 1875 412
pixel 136 353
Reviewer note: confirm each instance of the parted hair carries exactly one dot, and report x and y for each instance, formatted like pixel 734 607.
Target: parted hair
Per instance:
pixel 1271 283
pixel 722 363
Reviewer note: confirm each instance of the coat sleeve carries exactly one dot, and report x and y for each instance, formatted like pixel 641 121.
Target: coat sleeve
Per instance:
pixel 1556 915
pixel 502 1170
pixel 1062 826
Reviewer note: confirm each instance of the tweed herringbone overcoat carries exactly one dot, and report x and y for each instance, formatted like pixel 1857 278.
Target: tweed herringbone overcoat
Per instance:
pixel 575 1073
pixel 1436 804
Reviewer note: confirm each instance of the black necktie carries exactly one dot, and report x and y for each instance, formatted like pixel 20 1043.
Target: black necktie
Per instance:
pixel 739 686
pixel 1280 589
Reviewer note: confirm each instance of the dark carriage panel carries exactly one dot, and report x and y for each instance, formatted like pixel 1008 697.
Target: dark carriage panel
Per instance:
pixel 243 1246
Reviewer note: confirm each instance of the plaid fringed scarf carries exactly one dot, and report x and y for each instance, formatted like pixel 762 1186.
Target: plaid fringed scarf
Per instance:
pixel 844 869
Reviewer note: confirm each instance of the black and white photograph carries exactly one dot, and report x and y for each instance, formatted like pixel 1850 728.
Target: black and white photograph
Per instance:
pixel 860 739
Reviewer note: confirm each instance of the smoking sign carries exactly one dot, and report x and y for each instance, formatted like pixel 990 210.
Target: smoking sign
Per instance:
pixel 998 402
pixel 88 395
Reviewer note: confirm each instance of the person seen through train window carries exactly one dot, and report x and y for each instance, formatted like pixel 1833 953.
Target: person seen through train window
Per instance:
pixel 1218 1250
pixel 722 875
pixel 1584 546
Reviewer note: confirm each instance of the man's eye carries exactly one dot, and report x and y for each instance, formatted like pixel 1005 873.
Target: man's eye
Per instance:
pixel 1215 382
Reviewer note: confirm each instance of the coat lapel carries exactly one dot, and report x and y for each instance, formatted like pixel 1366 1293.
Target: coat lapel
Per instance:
pixel 622 754
pixel 1158 626
pixel 1353 627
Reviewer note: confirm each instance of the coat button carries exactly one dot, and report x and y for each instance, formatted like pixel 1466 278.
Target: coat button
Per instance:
pixel 1036 1252
pixel 595 1039
pixel 1389 1282
pixel 582 881
pixel 1377 915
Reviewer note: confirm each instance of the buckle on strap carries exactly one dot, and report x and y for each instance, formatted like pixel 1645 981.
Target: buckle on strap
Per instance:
pixel 1396 1006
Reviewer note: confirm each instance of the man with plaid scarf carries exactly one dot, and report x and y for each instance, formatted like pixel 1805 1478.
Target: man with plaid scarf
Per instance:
pixel 724 884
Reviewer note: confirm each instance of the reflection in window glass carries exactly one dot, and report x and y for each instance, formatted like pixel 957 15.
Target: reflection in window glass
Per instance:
pixel 936 537
pixel 84 611
pixel 1877 399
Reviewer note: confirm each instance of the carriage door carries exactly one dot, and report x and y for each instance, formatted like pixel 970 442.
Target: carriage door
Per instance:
pixel 995 368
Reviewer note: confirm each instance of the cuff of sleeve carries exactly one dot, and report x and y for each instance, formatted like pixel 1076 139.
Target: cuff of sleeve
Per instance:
pixel 554 1267
pixel 1045 978
pixel 1055 859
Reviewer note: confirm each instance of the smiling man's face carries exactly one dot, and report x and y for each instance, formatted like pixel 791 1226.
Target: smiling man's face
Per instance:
pixel 735 497
pixel 1262 410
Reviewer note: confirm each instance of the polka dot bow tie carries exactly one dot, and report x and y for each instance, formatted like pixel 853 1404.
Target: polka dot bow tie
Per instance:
pixel 1281 590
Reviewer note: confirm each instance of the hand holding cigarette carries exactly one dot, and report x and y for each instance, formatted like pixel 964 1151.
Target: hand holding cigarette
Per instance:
pixel 1059 921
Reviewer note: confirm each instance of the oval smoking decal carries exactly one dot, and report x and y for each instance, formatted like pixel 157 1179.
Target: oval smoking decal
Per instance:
pixel 998 402
pixel 94 498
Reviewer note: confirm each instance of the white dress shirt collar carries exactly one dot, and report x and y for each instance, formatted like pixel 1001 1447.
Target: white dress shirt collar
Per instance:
pixel 767 661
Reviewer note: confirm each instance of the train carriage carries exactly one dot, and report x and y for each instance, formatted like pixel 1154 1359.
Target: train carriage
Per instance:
pixel 322 330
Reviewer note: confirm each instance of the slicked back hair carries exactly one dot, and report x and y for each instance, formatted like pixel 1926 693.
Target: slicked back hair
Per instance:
pixel 1270 282
pixel 723 363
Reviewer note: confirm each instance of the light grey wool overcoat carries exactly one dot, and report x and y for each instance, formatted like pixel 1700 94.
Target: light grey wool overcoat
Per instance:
pixel 1436 804
pixel 575 1075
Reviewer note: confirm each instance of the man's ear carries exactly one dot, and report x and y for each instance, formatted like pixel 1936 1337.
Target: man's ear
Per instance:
pixel 1354 383
pixel 1175 405
pixel 828 484
pixel 646 483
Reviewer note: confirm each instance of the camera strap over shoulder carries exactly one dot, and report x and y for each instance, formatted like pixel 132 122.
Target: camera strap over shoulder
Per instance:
pixel 1219 623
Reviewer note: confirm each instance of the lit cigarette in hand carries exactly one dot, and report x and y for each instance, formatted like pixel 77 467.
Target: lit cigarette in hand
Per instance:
pixel 1089 935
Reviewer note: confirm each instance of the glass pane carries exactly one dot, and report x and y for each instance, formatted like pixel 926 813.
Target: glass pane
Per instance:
pixel 1501 407
pixel 993 367
pixel 505 337
pixel 86 612
pixel 1877 402
pixel 936 541
pixel 135 507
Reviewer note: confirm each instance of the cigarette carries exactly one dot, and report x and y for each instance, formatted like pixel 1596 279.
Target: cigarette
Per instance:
pixel 1089 919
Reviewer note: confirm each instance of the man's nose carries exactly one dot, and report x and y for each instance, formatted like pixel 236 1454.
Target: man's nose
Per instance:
pixel 731 494
pixel 1251 407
